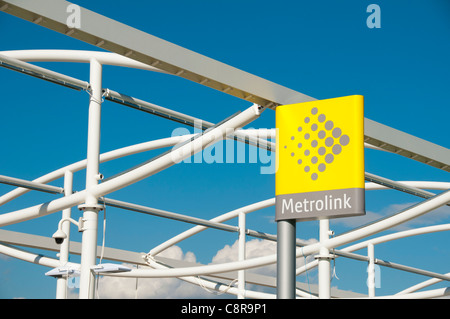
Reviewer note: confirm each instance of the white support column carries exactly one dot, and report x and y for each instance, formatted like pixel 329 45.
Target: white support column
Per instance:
pixel 61 283
pixel 324 262
pixel 91 206
pixel 371 270
pixel 241 273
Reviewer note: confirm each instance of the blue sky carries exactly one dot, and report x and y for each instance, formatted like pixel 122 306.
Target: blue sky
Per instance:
pixel 321 48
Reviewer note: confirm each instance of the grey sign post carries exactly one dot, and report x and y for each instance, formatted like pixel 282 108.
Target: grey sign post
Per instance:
pixel 286 242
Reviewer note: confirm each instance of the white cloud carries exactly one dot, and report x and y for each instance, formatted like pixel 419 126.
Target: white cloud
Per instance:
pixel 173 288
pixel 254 248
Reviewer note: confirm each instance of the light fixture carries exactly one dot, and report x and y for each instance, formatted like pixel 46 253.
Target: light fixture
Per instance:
pixel 63 271
pixel 109 268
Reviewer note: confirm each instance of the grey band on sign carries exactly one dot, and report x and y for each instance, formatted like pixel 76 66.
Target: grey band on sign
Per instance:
pixel 320 204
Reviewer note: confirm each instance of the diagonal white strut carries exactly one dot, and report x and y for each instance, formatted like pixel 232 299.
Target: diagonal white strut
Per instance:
pixel 137 174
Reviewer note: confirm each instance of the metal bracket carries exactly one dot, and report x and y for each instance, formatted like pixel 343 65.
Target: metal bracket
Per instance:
pixel 81 224
pixel 97 207
pixel 321 257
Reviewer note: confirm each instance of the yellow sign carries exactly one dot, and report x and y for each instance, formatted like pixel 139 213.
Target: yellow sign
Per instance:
pixel 320 159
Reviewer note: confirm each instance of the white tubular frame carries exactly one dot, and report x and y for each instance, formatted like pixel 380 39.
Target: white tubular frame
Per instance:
pixel 61 284
pixel 91 198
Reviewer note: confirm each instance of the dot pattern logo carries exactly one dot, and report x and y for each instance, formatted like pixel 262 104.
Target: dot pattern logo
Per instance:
pixel 316 143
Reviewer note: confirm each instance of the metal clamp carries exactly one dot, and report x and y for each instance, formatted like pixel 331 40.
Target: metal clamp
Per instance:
pixel 322 257
pixel 97 207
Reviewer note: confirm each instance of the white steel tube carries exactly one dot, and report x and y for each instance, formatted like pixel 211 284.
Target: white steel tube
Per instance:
pixel 214 285
pixel 398 186
pixel 61 283
pixel 91 206
pixel 153 167
pixel 30 185
pixel 337 241
pixel 405 215
pixel 219 219
pixel 398 235
pixel 369 230
pixel 241 273
pixel 108 156
pixel 78 56
pixel 392 221
pixel 324 261
pixel 156 109
pixel 307 250
pixel 166 214
pixel 435 293
pixel 33 257
pixel 379 240
pixel 180 153
pixel 42 73
pixel 53 263
pixel 421 285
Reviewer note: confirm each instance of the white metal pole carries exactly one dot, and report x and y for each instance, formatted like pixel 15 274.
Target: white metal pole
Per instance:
pixel 61 283
pixel 91 206
pixel 241 273
pixel 324 262
pixel 371 270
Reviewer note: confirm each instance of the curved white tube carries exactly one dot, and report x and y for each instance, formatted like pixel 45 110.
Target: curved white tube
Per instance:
pixel 135 175
pixel 78 56
pixel 404 234
pixel 436 293
pixel 33 258
pixel 369 230
pixel 398 235
pixel 392 221
pixel 421 285
pixel 219 219
pixel 167 142
pixel 438 200
pixel 53 263
pixel 408 214
pixel 115 154
pixel 384 239
pixel 412 212
pixel 417 184
pixel 213 286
